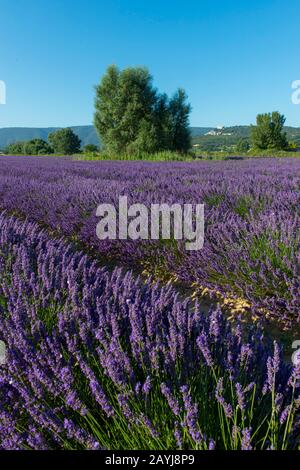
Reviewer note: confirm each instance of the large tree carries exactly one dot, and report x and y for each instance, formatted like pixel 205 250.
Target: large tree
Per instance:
pixel 268 132
pixel 124 108
pixel 132 117
pixel 64 141
pixel 180 110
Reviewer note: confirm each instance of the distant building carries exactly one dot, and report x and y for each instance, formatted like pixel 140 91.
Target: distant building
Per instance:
pixel 218 131
pixel 212 133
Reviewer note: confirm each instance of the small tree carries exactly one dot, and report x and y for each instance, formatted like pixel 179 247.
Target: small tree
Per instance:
pixel 90 148
pixel 65 141
pixel 242 146
pixel 268 132
pixel 15 148
pixel 179 114
pixel 37 147
pixel 30 147
pixel 293 146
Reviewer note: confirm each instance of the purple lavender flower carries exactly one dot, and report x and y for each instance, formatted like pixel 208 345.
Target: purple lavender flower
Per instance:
pixel 219 396
pixel 147 386
pixel 78 355
pixel 202 343
pixel 173 403
pixel 147 422
pixel 211 444
pixel 284 415
pixel 246 439
pixel 240 396
pixel 178 435
pixel 191 417
pixel 273 365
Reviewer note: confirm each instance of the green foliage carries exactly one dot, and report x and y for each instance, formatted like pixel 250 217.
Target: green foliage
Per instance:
pixel 228 139
pixel 131 117
pixel 162 123
pixel 37 147
pixel 16 148
pixel 243 206
pixel 205 143
pixel 293 146
pixel 90 148
pixel 268 132
pixel 216 143
pixel 165 155
pixel 32 147
pixel 124 106
pixel 87 134
pixel 214 200
pixel 179 113
pixel 242 145
pixel 65 141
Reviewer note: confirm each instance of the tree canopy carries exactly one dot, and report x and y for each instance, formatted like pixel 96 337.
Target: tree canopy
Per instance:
pixel 268 132
pixel 131 116
pixel 242 145
pixel 64 141
pixel 90 148
pixel 179 114
pixel 31 147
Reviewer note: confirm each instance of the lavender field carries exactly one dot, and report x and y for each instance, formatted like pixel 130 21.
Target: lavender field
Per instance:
pixel 109 345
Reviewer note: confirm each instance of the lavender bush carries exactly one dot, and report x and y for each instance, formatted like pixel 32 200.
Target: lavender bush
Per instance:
pixel 251 249
pixel 99 359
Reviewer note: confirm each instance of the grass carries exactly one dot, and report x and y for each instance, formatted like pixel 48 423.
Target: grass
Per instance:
pixel 227 154
pixel 169 156
pixel 190 156
pixel 158 156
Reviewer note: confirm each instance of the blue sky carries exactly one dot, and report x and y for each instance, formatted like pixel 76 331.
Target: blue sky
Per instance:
pixel 234 58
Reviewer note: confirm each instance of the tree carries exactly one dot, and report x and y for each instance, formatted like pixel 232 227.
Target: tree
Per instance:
pixel 90 148
pixel 179 112
pixel 37 147
pixel 242 145
pixel 124 106
pixel 132 117
pixel 65 141
pixel 163 122
pixel 30 147
pixel 293 146
pixel 15 148
pixel 268 132
pixel 146 139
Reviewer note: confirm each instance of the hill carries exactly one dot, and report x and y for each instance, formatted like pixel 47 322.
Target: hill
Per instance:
pixel 87 134
pixel 226 137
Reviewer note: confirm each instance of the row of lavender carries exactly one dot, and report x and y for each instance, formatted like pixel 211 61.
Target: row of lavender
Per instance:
pixel 251 247
pixel 102 360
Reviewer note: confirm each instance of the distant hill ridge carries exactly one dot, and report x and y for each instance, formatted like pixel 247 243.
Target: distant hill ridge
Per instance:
pixel 226 138
pixel 88 135
pixel 9 135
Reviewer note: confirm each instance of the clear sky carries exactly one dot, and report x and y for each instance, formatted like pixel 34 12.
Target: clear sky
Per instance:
pixel 234 58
